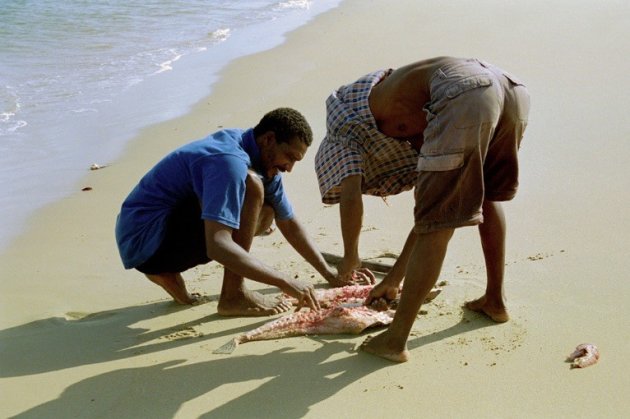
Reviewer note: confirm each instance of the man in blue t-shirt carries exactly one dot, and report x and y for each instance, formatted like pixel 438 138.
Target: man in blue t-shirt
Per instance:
pixel 207 200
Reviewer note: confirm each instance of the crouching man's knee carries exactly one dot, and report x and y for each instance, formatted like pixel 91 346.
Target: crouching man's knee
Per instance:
pixel 255 198
pixel 254 189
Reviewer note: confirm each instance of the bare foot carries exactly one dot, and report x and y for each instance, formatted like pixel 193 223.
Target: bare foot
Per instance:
pixel 381 345
pixel 173 284
pixel 496 311
pixel 200 299
pixel 252 304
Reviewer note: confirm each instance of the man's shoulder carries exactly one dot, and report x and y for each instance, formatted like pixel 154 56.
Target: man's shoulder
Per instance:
pixel 233 134
pixel 224 143
pixel 223 139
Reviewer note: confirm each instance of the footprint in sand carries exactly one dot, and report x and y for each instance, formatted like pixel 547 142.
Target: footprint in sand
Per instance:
pixel 203 299
pixel 186 333
pixel 82 316
pixel 541 256
pixel 75 315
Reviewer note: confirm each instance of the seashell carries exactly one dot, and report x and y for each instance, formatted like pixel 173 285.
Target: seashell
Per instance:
pixel 96 166
pixel 583 356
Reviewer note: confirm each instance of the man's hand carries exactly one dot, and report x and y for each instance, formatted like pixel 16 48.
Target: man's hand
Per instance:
pixel 351 273
pixel 383 290
pixel 346 269
pixel 303 292
pixel 361 276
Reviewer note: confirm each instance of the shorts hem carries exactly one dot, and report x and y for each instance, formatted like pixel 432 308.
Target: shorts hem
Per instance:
pixel 423 228
pixel 500 196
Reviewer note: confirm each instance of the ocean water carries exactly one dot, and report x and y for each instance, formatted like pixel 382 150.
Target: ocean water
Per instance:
pixel 78 78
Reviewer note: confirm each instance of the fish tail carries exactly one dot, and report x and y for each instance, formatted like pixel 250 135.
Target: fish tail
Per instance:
pixel 228 348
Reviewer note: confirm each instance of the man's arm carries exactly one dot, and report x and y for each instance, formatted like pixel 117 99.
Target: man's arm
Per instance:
pixel 389 287
pixel 222 248
pixel 297 237
pixel 397 273
pixel 351 213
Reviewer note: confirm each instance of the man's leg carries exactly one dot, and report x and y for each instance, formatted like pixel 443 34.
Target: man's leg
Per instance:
pixel 265 224
pixel 236 299
pixel 423 271
pixel 492 233
pixel 182 248
pixel 173 283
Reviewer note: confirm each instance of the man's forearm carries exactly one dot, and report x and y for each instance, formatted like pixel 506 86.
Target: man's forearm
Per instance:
pixel 222 249
pixel 351 214
pixel 298 238
pixel 397 273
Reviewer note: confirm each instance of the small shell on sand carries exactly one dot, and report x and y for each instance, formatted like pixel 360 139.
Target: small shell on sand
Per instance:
pixel 583 356
pixel 96 166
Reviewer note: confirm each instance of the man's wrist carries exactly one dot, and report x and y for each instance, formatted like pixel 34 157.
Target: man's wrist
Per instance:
pixel 351 256
pixel 329 275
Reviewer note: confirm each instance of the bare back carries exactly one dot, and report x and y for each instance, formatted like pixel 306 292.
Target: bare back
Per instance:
pixel 397 101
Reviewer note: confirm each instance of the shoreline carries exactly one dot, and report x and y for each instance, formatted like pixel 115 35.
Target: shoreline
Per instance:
pixel 62 146
pixel 80 336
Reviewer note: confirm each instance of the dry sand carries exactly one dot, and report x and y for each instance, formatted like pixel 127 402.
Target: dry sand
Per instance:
pixel 81 337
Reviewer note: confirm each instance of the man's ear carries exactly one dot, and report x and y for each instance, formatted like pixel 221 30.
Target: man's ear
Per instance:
pixel 268 138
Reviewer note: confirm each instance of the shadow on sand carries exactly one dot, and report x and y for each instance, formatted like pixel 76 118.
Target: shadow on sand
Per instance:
pixel 57 343
pixel 292 381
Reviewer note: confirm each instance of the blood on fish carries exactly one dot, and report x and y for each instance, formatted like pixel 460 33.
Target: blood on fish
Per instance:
pixel 583 356
pixel 350 294
pixel 330 297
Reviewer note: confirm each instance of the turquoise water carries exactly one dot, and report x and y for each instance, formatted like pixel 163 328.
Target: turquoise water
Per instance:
pixel 78 78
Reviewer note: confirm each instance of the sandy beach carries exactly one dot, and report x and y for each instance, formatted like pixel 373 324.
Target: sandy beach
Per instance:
pixel 81 337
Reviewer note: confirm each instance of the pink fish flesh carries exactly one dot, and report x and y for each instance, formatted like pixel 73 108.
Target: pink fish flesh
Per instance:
pixel 332 297
pixel 351 294
pixel 343 319
pixel 584 355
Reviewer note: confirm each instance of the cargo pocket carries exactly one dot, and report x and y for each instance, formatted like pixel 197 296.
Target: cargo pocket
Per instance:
pixel 468 83
pixel 513 80
pixel 440 163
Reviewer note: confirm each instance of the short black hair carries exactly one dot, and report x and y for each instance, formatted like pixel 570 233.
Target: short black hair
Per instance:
pixel 287 124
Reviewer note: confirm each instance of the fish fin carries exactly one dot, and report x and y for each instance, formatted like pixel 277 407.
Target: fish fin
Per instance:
pixel 227 349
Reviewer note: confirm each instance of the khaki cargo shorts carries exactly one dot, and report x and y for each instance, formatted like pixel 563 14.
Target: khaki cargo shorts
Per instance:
pixel 476 119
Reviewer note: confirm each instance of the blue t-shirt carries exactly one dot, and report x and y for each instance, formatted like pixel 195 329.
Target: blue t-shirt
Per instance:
pixel 214 171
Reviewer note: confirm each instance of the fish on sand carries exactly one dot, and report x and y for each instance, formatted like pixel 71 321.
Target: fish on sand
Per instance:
pixel 343 312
